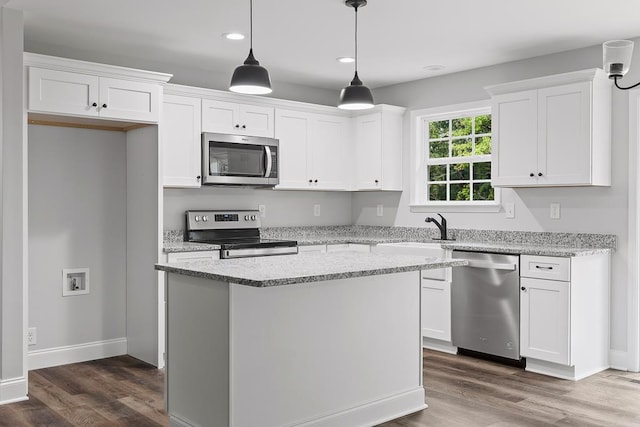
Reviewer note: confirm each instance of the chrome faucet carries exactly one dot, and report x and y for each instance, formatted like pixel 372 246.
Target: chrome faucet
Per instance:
pixel 442 226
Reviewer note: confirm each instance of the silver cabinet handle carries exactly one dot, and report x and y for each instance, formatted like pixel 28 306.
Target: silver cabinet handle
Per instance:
pixel 490 265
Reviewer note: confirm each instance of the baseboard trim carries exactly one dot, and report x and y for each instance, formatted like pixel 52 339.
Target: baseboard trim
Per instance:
pixel 443 346
pixel 618 360
pixel 57 356
pixel 13 390
pixel 175 421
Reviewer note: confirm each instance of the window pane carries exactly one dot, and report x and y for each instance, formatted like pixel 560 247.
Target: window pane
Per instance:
pixel 483 124
pixel 459 172
pixel 461 147
pixel 461 127
pixel 459 191
pixel 438 149
pixel 438 192
pixel 482 170
pixel 483 191
pixel 438 173
pixel 439 129
pixel 483 145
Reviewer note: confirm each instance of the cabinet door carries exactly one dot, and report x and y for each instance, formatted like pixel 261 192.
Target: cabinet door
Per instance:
pixel 62 92
pixel 368 152
pixel 436 309
pixel 129 100
pixel 544 320
pixel 328 152
pixel 256 121
pixel 220 117
pixel 515 141
pixel 180 138
pixel 293 129
pixel 564 134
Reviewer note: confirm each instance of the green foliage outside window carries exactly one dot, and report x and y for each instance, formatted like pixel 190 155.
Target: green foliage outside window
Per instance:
pixel 460 179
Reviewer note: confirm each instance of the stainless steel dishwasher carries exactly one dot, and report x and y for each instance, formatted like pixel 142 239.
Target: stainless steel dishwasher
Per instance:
pixel 485 304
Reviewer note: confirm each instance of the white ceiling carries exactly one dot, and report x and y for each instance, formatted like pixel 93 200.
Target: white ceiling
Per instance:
pixel 298 40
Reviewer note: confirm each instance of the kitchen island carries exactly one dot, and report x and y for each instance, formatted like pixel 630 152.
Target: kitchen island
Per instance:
pixel 309 340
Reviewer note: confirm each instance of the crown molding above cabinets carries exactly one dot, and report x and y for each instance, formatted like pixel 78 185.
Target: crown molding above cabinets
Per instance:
pixel 94 95
pixel 321 147
pixel 552 131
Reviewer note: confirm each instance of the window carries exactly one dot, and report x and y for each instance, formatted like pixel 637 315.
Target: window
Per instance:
pixel 453 165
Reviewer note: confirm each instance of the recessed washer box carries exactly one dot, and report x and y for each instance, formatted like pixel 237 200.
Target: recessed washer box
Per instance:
pixel 75 281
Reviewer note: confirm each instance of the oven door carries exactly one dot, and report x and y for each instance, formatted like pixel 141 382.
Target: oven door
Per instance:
pixel 239 160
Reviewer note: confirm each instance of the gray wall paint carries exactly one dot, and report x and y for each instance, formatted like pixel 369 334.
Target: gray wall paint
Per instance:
pixel 187 75
pixel 12 206
pixel 594 210
pixel 77 218
pixel 283 208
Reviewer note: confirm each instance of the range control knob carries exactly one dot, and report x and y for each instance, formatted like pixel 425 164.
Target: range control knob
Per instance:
pixel 205 218
pixel 246 217
pixel 253 217
pixel 197 218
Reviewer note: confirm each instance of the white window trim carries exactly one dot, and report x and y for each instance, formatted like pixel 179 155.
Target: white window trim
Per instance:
pixel 418 165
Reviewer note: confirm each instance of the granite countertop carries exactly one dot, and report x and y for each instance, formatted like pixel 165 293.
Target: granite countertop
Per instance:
pixel 180 246
pixel 304 268
pixel 522 249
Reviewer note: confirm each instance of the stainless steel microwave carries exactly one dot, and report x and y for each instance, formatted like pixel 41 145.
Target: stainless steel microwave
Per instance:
pixel 239 160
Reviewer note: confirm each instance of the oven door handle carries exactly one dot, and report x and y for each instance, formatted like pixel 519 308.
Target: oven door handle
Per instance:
pixel 267 155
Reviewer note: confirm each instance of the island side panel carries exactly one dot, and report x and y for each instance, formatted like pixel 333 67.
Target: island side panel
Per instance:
pixel 197 351
pixel 331 353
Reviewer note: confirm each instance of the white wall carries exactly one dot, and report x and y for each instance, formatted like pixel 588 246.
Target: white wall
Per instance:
pixel 77 218
pixel 592 210
pixel 283 208
pixel 13 381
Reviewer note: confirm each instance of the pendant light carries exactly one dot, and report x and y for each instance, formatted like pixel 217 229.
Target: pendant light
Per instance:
pixel 251 77
pixel 356 96
pixel 616 59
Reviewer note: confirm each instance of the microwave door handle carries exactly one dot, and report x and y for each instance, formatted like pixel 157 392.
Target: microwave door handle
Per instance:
pixel 267 155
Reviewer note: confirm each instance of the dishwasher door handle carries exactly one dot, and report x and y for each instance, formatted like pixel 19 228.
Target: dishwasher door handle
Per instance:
pixel 490 265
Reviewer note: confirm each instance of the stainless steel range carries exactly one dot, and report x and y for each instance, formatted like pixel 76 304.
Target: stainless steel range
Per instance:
pixel 237 232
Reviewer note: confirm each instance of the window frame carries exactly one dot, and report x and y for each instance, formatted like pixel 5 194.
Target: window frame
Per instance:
pixel 419 146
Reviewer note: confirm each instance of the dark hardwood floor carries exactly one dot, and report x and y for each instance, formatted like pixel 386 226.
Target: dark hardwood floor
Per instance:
pixel 461 391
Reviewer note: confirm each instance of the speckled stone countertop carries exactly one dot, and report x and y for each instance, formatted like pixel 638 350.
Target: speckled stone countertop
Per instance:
pixel 304 268
pixel 515 242
pixel 180 246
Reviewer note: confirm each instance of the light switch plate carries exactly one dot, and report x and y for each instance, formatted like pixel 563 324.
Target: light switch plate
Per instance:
pixel 316 210
pixel 379 210
pixel 554 210
pixel 510 210
pixel 263 211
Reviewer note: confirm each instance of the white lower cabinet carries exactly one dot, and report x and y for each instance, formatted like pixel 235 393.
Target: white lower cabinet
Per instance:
pixel 436 309
pixel 564 314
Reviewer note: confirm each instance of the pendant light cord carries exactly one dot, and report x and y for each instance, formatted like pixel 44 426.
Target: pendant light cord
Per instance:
pixel 251 24
pixel 615 80
pixel 356 39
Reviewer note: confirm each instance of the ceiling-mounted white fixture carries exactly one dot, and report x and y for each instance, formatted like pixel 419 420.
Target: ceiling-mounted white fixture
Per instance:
pixel 616 60
pixel 251 77
pixel 356 96
pixel 233 36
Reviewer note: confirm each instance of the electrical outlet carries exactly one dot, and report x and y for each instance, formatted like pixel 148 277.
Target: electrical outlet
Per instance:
pixel 510 210
pixel 316 210
pixel 31 336
pixel 379 210
pixel 554 210
pixel 263 211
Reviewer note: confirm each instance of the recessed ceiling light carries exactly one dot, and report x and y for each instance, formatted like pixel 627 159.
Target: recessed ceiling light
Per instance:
pixel 434 67
pixel 345 59
pixel 233 36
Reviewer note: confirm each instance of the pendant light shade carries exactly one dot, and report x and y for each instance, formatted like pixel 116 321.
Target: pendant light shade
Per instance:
pixel 251 77
pixel 356 96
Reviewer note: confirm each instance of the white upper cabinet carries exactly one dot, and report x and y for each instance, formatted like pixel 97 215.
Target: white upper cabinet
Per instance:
pixel 313 150
pixel 76 88
pixel 378 149
pixel 552 131
pixel 232 118
pixel 180 139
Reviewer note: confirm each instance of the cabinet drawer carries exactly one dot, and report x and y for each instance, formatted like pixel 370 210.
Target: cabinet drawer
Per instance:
pixel 544 267
pixel 193 256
